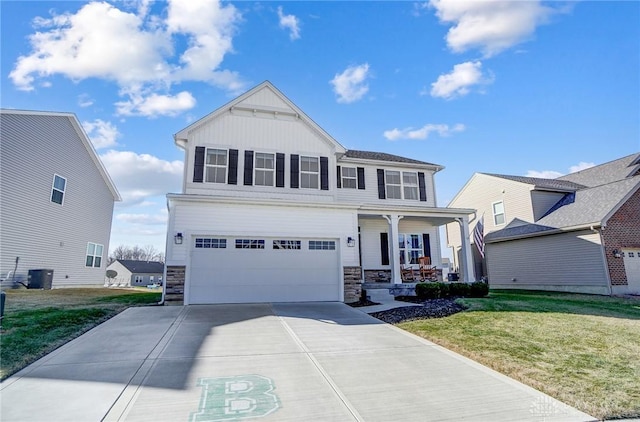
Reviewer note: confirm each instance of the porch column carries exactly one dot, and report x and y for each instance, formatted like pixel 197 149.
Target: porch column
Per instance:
pixel 393 220
pixel 467 257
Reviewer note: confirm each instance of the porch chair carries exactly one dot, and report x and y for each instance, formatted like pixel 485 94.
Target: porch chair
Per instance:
pixel 407 274
pixel 427 271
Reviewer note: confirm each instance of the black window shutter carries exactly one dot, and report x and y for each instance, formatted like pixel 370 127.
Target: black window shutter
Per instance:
pixel 248 168
pixel 324 173
pixel 198 165
pixel 360 177
pixel 384 248
pixel 339 180
pixel 295 165
pixel 381 188
pixel 279 170
pixel 422 186
pixel 233 167
pixel 426 246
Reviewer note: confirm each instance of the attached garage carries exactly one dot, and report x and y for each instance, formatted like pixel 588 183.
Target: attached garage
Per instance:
pixel 631 258
pixel 262 269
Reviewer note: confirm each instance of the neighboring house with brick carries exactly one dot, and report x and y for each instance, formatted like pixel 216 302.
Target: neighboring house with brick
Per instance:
pixel 57 200
pixel 131 273
pixel 577 233
pixel 274 209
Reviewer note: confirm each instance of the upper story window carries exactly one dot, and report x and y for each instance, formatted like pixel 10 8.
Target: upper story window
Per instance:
pixel 349 177
pixel 94 255
pixel 498 213
pixel 309 172
pixel 216 166
pixel 58 189
pixel 402 185
pixel 264 169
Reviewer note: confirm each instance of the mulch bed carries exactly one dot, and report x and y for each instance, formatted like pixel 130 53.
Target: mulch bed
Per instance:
pixel 434 308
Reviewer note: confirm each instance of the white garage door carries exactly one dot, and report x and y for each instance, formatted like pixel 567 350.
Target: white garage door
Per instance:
pixel 632 268
pixel 251 270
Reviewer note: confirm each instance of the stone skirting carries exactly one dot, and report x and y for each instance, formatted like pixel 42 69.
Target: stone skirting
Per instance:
pixel 174 285
pixel 352 284
pixel 377 276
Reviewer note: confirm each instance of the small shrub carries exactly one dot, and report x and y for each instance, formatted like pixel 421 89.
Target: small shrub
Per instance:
pixel 459 289
pixel 432 290
pixel 478 289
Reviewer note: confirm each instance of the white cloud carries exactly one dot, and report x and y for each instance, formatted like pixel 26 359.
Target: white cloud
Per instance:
pixel 544 174
pixel 138 51
pixel 156 105
pixel 424 132
pixel 102 134
pixel 144 219
pixel 140 176
pixel 351 85
pixel 84 100
pixel 491 26
pixel 459 81
pixel 290 22
pixel 581 166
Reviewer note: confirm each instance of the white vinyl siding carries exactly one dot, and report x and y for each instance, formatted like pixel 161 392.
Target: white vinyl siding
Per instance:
pixel 216 166
pixel 349 177
pixel 58 189
pixel 264 168
pixel 309 172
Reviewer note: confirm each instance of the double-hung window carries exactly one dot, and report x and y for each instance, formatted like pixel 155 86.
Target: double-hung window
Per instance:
pixel 94 255
pixel 410 185
pixel 309 172
pixel 216 166
pixel 58 189
pixel 498 213
pixel 349 177
pixel 402 185
pixel 264 169
pixel 394 184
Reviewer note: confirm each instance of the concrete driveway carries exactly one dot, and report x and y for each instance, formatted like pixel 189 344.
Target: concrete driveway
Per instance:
pixel 271 362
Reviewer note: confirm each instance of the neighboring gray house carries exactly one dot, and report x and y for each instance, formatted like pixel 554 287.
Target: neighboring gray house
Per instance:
pixel 57 200
pixel 136 273
pixel 577 233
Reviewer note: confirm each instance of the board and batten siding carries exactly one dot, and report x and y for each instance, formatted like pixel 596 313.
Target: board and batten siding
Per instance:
pixel 570 262
pixel 259 221
pixel 43 234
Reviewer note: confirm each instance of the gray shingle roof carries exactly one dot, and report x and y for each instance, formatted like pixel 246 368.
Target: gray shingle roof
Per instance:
pixel 382 156
pixel 606 173
pixel 541 183
pixel 140 267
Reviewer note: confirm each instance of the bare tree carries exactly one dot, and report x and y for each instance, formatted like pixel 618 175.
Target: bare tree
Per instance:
pixel 136 253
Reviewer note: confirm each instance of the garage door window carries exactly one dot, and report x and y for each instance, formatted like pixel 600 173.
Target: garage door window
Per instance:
pixel 287 244
pixel 322 245
pixel 249 244
pixel 210 243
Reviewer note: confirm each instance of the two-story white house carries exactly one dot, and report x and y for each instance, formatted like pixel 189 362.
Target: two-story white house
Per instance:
pixel 56 201
pixel 273 209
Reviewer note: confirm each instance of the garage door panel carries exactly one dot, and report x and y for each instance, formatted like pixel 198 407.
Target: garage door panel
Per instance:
pixel 230 275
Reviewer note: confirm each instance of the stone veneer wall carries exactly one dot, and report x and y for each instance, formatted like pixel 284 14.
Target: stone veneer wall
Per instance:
pixel 174 285
pixel 623 230
pixel 352 284
pixel 377 276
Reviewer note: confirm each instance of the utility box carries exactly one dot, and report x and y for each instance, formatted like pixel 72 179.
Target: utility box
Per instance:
pixel 40 279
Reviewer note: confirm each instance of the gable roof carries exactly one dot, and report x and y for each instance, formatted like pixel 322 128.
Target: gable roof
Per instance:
pixel 30 115
pixel 287 107
pixel 540 183
pixel 383 156
pixel 606 173
pixel 147 267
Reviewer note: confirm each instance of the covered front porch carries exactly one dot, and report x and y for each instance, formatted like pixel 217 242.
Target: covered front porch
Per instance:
pixel 393 241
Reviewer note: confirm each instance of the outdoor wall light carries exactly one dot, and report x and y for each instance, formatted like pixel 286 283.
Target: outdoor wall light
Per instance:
pixel 351 242
pixel 178 238
pixel 617 253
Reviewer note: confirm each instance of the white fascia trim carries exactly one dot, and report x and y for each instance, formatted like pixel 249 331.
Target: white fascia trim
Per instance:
pixel 379 163
pixel 591 226
pixel 173 198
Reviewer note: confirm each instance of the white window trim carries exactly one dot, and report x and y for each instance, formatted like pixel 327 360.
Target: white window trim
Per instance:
pixel 317 173
pixel 405 249
pixel 226 167
pixel 504 214
pixel 354 178
pixel 53 188
pixel 138 278
pixel 416 186
pixel 255 168
pixel 94 256
pixel 402 184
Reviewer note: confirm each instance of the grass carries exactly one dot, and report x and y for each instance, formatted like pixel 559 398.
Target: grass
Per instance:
pixel 36 322
pixel 581 349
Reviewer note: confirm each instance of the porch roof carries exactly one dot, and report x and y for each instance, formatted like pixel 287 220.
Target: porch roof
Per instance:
pixel 437 216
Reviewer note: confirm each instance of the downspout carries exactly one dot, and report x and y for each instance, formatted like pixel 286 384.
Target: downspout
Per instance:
pixel 166 249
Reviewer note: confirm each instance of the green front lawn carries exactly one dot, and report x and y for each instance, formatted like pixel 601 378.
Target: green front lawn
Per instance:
pixel 581 349
pixel 36 322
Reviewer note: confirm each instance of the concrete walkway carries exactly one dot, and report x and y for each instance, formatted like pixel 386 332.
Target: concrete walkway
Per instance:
pixel 280 362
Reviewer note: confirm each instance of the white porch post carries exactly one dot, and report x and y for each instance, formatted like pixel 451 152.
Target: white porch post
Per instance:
pixel 467 257
pixel 393 220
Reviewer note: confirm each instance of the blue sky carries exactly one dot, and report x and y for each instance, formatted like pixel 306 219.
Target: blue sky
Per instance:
pixel 514 87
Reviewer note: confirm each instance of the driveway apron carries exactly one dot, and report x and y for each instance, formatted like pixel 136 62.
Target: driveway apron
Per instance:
pixel 267 362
